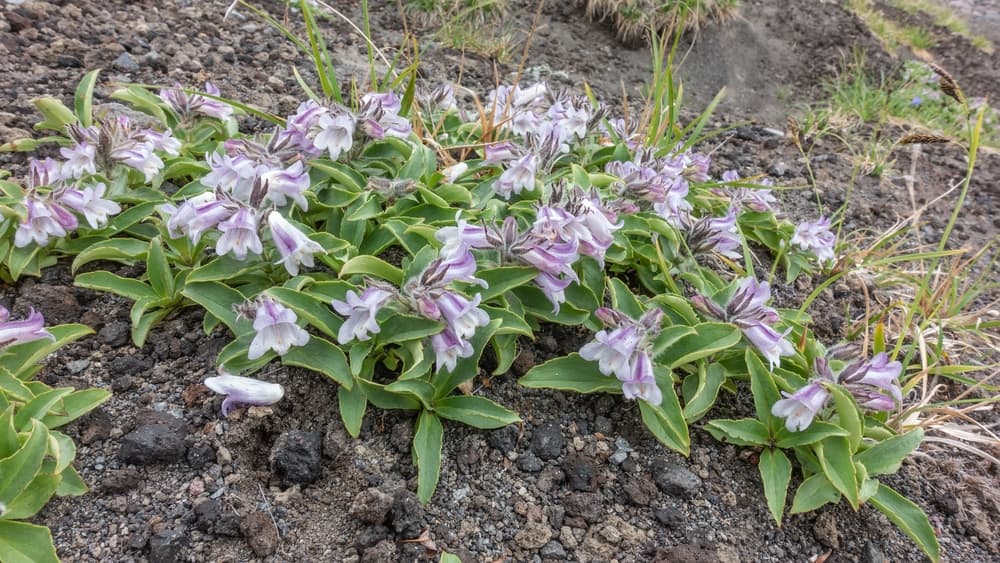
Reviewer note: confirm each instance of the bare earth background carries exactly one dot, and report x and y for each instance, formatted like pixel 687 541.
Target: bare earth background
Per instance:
pixel 173 481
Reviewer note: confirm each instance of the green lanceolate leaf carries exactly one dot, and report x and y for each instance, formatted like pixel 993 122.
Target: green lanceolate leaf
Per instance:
pixel 813 493
pixel 34 496
pixel 112 283
pixel 706 384
pixel 775 472
pixel 382 398
pixel 401 328
pixel 427 450
pixel 20 468
pixel 622 299
pixel 816 431
pixel 83 101
pixel 743 432
pixel 666 421
pixel 321 356
pixel 709 339
pixel 56 115
pixel 765 392
pixel 218 299
pixel 21 260
pixel 910 519
pixel 668 337
pixel 38 407
pixel 885 457
pixel 848 414
pixel 27 355
pixel 501 280
pixel 352 403
pixel 478 412
pixel 371 266
pixel 570 373
pixel 73 406
pixel 71 484
pixel 122 250
pixel 222 268
pixel 834 455
pixel 158 269
pixel 26 543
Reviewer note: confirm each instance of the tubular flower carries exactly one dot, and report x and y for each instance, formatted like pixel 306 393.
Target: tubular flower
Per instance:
pixel 276 329
pixel 336 135
pixel 359 312
pixel 45 218
pixel 448 348
pixel 90 203
pixel 715 234
pixel 18 332
pixel 196 215
pixel 239 234
pixel 380 116
pixel 243 391
pixel 293 245
pixel 624 352
pixel 769 342
pixel 816 238
pixel 874 383
pixel 800 408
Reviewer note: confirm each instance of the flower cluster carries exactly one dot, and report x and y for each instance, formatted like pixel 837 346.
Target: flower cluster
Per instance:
pixel 760 199
pixel 547 124
pixel 116 141
pixel 873 382
pixel 429 295
pixel 624 351
pixel 48 202
pixel 748 310
pixel 572 223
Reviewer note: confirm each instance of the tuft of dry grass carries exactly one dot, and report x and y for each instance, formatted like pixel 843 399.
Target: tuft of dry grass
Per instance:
pixel 634 19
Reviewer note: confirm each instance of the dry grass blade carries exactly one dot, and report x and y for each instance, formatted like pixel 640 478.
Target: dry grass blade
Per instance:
pixel 922 139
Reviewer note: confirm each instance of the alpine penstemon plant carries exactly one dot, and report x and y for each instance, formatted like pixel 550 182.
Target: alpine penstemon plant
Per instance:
pixel 387 245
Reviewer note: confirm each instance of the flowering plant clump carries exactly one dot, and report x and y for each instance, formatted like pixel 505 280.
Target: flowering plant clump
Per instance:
pixel 35 458
pixel 389 241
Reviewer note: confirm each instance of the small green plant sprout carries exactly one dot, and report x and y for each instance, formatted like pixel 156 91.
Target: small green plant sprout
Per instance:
pixel 35 458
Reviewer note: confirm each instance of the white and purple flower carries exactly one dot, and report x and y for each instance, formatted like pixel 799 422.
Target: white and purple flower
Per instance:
pixel 275 329
pixel 19 332
pixel 816 238
pixel 243 391
pixel 293 245
pixel 800 408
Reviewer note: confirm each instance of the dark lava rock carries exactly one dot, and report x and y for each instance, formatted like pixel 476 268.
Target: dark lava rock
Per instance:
pixel 125 63
pixel 401 437
pixel 120 481
pixel 95 426
pixel 504 439
pixel 547 441
pixel 114 334
pixel 207 513
pixel 670 517
pixel 674 479
pixel 588 506
pixel 640 490
pixel 165 547
pixel 336 442
pixel 529 463
pixel 872 554
pixel 297 456
pixel 158 438
pixel 686 553
pixel 370 536
pixel 372 506
pixel 131 364
pixel 385 550
pixel 553 550
pixel 407 516
pixel 260 533
pixel 581 473
pixel 200 455
pixel 68 61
